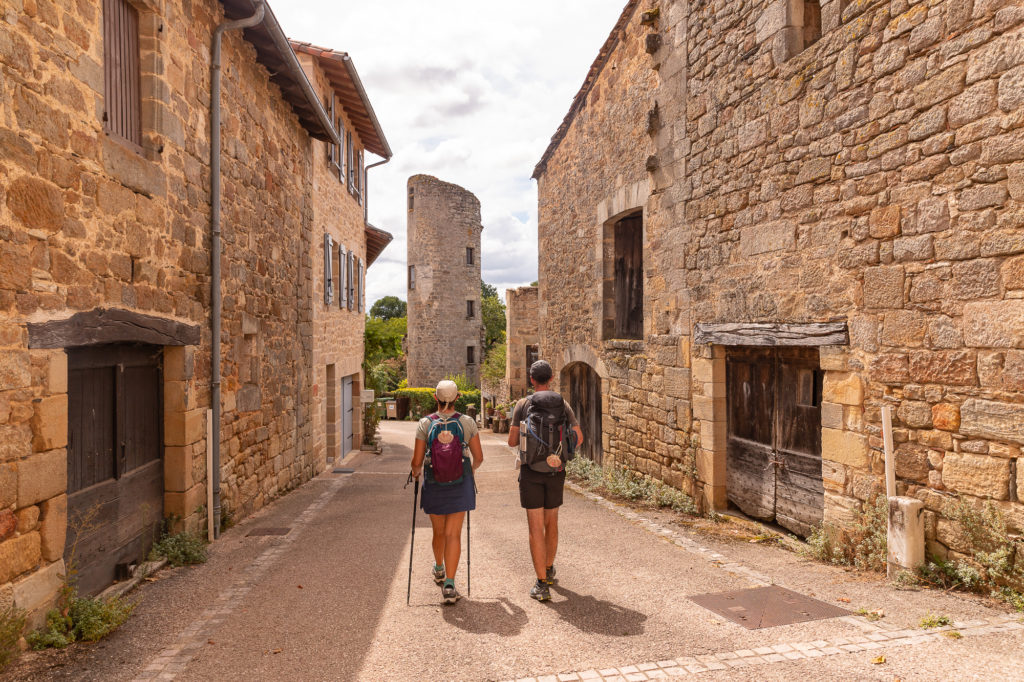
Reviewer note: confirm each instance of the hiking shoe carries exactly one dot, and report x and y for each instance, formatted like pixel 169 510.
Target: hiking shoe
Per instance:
pixel 550 577
pixel 438 574
pixel 450 594
pixel 541 591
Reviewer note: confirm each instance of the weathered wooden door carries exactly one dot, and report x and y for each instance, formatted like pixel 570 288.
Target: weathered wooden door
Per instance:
pixel 585 399
pixel 115 459
pixel 773 468
pixel 347 413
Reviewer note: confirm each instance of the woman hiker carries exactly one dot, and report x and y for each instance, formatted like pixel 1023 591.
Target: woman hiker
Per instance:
pixel 448 485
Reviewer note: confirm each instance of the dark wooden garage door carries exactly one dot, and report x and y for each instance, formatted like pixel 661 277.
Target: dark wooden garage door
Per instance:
pixel 774 448
pixel 115 463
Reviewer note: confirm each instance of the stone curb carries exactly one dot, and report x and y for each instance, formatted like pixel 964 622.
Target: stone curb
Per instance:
pixel 122 588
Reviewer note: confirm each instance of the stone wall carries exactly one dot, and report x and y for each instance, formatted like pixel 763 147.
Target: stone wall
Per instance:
pixel 88 221
pixel 444 220
pixel 522 324
pixel 873 177
pixel 337 328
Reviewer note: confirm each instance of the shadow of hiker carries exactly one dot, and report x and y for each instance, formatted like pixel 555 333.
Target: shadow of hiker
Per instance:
pixel 591 614
pixel 500 617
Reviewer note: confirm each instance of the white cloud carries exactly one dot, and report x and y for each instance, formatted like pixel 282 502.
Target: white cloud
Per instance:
pixel 469 92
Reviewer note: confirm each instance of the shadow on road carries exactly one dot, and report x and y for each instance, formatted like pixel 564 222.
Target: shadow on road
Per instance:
pixel 500 617
pixel 590 614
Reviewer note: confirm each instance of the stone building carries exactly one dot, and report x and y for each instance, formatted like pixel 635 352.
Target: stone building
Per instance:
pixel 107 277
pixel 522 326
pixel 445 324
pixel 760 226
pixel 347 245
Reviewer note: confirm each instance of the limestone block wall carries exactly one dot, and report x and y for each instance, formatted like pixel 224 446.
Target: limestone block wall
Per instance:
pixel 337 329
pixel 522 327
pixel 88 221
pixel 443 221
pixel 873 176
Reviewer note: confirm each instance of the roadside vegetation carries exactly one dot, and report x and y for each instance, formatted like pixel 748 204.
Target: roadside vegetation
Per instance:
pixel 622 483
pixel 12 623
pixel 180 549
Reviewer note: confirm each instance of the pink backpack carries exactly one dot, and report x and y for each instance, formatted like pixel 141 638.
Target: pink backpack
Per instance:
pixel 445 464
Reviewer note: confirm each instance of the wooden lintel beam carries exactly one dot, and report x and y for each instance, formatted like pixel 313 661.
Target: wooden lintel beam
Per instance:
pixel 104 325
pixel 767 334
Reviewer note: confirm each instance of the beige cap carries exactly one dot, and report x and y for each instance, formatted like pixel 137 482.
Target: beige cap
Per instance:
pixel 446 391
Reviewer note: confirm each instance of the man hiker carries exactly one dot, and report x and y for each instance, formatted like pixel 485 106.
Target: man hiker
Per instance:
pixel 549 423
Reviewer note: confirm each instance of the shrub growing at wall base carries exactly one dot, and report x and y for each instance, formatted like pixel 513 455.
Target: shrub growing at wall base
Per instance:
pixel 422 403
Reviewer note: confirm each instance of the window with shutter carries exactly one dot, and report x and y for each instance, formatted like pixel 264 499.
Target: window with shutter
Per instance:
pixel 328 270
pixel 122 115
pixel 342 274
pixel 362 286
pixel 351 281
pixel 412 277
pixel 350 160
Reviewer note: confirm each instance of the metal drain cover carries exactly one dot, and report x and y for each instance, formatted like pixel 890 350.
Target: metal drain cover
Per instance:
pixel 766 607
pixel 268 531
pixel 343 471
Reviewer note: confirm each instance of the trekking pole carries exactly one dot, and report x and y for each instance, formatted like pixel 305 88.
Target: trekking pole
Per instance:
pixel 469 555
pixel 412 542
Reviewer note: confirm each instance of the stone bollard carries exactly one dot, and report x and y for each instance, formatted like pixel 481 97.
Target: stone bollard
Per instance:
pixel 905 537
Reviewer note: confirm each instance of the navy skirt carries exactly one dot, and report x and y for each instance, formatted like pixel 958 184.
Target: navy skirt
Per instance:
pixel 449 499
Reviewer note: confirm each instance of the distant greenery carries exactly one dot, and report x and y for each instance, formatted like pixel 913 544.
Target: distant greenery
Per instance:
pixel 422 400
pixel 494 362
pixel 388 308
pixel 383 359
pixel 492 310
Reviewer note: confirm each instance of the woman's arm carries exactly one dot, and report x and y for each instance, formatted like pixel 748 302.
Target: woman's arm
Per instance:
pixel 418 450
pixel 476 451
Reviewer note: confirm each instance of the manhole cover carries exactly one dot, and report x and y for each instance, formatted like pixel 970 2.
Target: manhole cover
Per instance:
pixel 343 471
pixel 269 531
pixel 766 607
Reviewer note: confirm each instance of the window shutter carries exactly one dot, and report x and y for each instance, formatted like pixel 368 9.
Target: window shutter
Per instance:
pixel 328 270
pixel 351 160
pixel 362 285
pixel 122 103
pixel 351 281
pixel 343 297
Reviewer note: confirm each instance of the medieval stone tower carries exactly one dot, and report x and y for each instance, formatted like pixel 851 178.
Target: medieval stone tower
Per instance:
pixel 445 332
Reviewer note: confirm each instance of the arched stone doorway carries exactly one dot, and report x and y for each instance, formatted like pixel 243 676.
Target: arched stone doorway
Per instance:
pixel 584 396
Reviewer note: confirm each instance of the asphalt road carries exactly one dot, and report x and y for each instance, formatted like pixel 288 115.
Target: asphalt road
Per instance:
pixel 327 601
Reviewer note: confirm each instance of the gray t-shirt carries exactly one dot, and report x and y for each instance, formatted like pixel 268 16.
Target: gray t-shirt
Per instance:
pixel 468 428
pixel 517 413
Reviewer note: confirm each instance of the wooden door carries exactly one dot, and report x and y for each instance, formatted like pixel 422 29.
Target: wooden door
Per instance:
pixel 584 397
pixel 115 460
pixel 773 460
pixel 347 413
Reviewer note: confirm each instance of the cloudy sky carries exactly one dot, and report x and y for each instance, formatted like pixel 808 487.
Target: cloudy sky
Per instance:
pixel 470 92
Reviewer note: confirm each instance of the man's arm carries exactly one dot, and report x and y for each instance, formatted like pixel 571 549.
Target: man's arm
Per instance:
pixel 513 429
pixel 574 423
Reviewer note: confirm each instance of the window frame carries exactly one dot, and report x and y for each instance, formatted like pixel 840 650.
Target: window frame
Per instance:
pixel 470 256
pixel 122 82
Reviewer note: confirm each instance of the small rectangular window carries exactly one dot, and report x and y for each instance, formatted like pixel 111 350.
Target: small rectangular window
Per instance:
pixel 469 309
pixel 122 100
pixel 411 197
pixel 469 255
pixel 470 355
pixel 412 277
pixel 532 355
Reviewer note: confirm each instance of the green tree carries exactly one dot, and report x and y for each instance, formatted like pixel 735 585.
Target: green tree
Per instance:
pixel 388 308
pixel 382 340
pixel 488 290
pixel 494 363
pixel 493 314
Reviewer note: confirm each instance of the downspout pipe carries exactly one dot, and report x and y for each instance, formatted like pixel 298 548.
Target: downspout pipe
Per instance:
pixel 366 187
pixel 215 245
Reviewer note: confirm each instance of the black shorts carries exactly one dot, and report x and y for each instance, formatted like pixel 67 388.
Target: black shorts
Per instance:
pixel 538 490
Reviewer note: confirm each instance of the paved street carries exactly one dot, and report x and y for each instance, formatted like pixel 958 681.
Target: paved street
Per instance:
pixel 327 601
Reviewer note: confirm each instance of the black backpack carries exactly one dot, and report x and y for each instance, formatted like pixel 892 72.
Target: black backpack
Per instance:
pixel 546 432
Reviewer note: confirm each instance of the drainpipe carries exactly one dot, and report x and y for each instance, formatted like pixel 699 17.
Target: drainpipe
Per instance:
pixel 215 293
pixel 366 188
